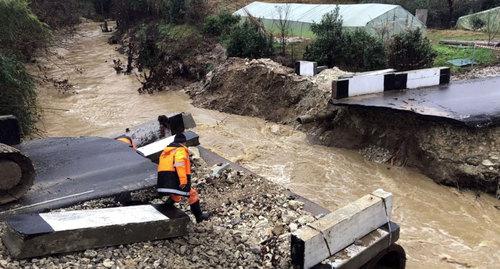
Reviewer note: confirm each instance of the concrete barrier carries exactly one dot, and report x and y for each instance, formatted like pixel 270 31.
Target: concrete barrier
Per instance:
pixel 10 131
pixel 33 235
pixel 381 81
pixel 153 150
pixel 367 249
pixel 323 238
pixel 306 68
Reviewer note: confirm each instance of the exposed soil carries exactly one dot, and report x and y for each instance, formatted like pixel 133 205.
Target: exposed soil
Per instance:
pixel 250 227
pixel 263 88
pixel 450 154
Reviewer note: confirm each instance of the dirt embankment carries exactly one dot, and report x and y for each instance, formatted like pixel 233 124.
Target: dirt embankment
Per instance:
pixel 261 88
pixel 250 227
pixel 450 154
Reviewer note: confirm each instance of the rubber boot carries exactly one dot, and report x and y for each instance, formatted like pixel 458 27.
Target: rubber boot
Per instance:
pixel 198 214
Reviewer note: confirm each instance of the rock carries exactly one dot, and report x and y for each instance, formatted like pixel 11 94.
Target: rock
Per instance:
pixel 182 250
pixel 90 253
pixel 278 229
pixel 294 204
pixel 293 227
pixel 218 169
pixel 108 263
pixel 487 163
pixel 305 219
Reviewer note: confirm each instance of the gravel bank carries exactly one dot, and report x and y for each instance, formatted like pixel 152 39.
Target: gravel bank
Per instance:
pixel 250 228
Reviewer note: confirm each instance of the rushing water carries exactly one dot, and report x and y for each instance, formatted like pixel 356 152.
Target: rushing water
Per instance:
pixel 440 226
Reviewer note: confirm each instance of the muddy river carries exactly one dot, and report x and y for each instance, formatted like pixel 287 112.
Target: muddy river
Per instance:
pixel 441 227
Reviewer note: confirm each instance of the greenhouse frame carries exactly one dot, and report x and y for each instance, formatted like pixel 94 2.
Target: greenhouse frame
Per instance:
pixel 378 19
pixel 491 15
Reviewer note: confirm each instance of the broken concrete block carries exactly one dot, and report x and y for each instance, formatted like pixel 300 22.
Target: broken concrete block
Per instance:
pixel 16 174
pixel 306 68
pixel 32 235
pixel 10 130
pixel 180 122
pixel 365 249
pixel 337 230
pixel 218 169
pixel 153 150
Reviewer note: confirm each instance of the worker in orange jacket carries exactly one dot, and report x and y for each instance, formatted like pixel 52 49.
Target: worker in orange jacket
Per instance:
pixel 174 177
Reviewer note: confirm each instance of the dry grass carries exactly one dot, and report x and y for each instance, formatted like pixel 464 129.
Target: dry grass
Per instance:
pixel 436 35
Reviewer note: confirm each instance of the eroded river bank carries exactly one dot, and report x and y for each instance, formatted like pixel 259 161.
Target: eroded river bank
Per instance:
pixel 440 226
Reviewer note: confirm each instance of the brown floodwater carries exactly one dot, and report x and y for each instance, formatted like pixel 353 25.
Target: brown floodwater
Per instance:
pixel 441 227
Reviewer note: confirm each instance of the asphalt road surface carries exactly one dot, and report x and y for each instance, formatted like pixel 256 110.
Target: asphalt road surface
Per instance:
pixel 73 170
pixel 475 103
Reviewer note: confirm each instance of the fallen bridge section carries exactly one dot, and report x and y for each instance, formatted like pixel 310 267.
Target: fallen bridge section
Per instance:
pixel 33 235
pixel 328 235
pixel 73 170
pixel 375 250
pixel 474 103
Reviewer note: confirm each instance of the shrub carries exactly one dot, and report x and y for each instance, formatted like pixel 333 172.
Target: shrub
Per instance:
pixel 221 24
pixel 249 41
pixel 362 51
pixel 57 13
pixel 21 33
pixel 477 23
pixel 18 95
pixel 353 50
pixel 327 47
pixel 168 52
pixel 410 50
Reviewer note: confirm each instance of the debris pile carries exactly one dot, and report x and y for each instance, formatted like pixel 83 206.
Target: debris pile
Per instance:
pixel 480 72
pixel 250 227
pixel 265 89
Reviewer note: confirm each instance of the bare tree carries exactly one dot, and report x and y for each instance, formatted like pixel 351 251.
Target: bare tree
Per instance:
pixel 283 24
pixel 450 11
pixel 492 26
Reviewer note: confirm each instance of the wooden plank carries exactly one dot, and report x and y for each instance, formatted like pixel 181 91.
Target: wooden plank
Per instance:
pixel 152 151
pixel 337 230
pixel 32 235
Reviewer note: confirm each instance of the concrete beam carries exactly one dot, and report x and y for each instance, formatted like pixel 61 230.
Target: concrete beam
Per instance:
pixel 33 235
pixel 383 80
pixel 306 68
pixel 153 150
pixel 10 130
pixel 364 250
pixel 337 230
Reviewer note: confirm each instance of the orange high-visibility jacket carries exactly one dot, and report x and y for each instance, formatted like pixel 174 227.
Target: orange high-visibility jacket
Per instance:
pixel 174 170
pixel 126 139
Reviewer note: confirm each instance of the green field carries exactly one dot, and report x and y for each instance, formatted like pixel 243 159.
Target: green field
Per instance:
pixel 481 56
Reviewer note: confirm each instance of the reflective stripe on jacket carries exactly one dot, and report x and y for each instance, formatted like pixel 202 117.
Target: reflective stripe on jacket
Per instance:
pixel 174 169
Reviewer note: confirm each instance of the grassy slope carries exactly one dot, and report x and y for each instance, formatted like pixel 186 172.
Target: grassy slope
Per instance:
pixel 446 53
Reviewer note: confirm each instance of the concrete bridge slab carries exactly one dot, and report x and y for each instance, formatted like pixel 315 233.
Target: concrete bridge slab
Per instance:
pixel 33 235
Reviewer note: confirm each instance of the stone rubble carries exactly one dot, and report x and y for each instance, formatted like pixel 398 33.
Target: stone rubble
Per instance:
pixel 250 227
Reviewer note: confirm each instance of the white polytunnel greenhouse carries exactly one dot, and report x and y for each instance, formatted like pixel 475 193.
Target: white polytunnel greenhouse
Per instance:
pixel 379 19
